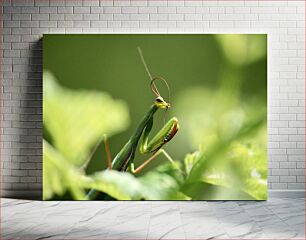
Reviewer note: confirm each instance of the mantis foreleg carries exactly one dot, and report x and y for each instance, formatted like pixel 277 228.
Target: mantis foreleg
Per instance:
pixel 150 146
pixel 158 141
pixel 150 159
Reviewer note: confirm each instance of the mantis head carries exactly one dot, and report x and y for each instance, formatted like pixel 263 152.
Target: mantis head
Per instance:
pixel 161 103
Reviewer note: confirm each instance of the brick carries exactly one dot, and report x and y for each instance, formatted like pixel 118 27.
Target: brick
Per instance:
pixel 112 10
pixel 57 17
pixel 300 165
pixel 261 10
pixel 30 10
pixel 287 10
pixel 28 179
pixel 81 24
pixel 96 10
pixel 140 17
pixel 230 3
pixel 98 24
pixel 73 3
pixel 296 186
pixel 229 17
pixel 300 179
pixel 185 10
pixel 157 3
pixel 106 3
pixel 11 24
pixel 296 172
pixel 147 9
pixel 287 179
pixel 277 186
pixel 11 53
pixel 21 31
pixel 202 10
pixel 41 3
pixel 138 3
pixel 10 179
pixel 120 17
pixel 130 24
pixel 40 16
pixel 91 16
pixel 297 138
pixel 221 24
pixel 176 17
pixel 242 10
pixel 148 24
pixel 83 10
pixel 91 3
pixel 104 17
pixel 185 24
pixel 296 158
pixel 156 17
pixel 64 10
pixel 73 16
pixel 280 172
pixel 242 24
pixel 192 17
pixel 129 10
pixel 21 186
pixel 39 32
pixel 297 124
pixel 273 179
pixel 59 3
pixel 11 9
pixel 47 24
pixel 273 165
pixel 287 165
pixel 19 173
pixel 48 10
pixel 166 10
pixel 300 145
pixel 196 3
pixel 22 3
pixel 65 24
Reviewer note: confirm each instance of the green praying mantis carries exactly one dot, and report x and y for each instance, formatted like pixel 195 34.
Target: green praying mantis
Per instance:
pixel 124 160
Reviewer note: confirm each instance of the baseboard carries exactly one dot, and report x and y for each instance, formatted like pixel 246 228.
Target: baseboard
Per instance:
pixel 22 194
pixel 286 193
pixel 37 194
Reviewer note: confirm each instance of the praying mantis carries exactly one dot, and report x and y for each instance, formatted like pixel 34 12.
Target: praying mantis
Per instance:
pixel 124 160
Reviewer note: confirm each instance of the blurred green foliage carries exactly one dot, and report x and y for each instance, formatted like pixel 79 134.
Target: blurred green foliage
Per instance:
pixel 218 84
pixel 74 122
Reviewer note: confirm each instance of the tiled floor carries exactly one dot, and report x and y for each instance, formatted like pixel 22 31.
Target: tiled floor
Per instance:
pixel 273 219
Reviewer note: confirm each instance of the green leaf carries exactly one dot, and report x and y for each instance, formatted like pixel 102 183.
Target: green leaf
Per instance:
pixel 203 190
pixel 159 186
pixel 78 119
pixel 119 185
pixel 60 175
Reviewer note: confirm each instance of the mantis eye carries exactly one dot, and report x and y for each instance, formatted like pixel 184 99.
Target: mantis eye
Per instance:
pixel 159 100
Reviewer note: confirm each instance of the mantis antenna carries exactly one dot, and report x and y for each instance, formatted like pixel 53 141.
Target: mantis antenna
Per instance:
pixel 164 80
pixel 152 84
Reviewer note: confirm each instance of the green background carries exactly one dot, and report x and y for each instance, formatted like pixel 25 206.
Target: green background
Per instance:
pixel 235 64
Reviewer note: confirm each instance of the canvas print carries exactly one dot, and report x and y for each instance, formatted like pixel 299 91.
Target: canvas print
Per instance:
pixel 155 117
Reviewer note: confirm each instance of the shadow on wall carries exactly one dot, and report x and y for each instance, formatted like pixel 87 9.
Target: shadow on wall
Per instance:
pixel 30 141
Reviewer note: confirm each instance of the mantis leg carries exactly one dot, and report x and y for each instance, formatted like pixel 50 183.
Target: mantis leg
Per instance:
pixel 109 159
pixel 158 141
pixel 164 135
pixel 150 159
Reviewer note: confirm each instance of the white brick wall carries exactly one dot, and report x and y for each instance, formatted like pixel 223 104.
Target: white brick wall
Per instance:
pixel 24 22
